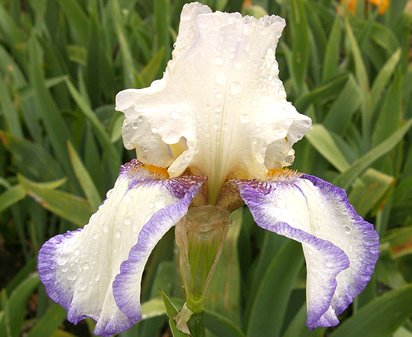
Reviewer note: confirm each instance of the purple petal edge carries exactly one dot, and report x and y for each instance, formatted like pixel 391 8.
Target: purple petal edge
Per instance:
pixel 370 238
pixel 254 200
pixel 150 234
pixel 254 192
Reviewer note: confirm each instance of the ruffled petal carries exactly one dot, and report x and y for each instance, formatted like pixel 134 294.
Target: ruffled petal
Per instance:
pixel 341 249
pixel 78 268
pixel 221 97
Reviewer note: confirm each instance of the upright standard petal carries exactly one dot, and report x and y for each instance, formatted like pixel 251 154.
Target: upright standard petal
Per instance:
pixel 220 107
pixel 78 268
pixel 341 249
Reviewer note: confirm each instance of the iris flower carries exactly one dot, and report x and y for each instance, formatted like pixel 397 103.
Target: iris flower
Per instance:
pixel 215 130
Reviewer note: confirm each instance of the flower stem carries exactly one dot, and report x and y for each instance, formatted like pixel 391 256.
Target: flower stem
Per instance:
pixel 196 326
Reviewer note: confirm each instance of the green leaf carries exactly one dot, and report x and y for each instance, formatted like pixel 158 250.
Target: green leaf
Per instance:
pixel 103 136
pixel 298 328
pixel 348 176
pixel 331 61
pixel 68 206
pixel 221 326
pixel 84 179
pixel 399 241
pixel 323 142
pixel 300 43
pixel 16 307
pixel 11 196
pixel 343 108
pixel 9 111
pixel 360 70
pixel 266 319
pixel 390 116
pixel 42 165
pixel 369 190
pixel 78 21
pixel 379 318
pixel 153 308
pixel 152 69
pixel 49 322
pixel 327 90
pixel 172 312
pixel 161 22
pixel 383 78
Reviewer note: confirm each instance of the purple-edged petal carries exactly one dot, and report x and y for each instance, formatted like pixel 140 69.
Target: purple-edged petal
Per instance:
pixel 126 286
pixel 78 268
pixel 341 249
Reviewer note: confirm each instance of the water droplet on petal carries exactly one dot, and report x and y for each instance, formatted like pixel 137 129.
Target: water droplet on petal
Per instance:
pixel 219 61
pixel 174 115
pixel 62 260
pixel 71 277
pixel 85 266
pixel 220 78
pixel 140 118
pixel 82 286
pixel 117 234
pixel 244 118
pixel 348 229
pixel 105 228
pixel 127 222
pixel 235 88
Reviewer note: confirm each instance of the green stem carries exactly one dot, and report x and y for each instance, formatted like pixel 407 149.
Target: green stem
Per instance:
pixel 196 326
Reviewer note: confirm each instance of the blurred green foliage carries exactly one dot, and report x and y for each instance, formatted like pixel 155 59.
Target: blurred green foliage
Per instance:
pixel 61 64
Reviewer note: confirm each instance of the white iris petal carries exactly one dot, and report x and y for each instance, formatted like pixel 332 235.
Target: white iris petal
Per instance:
pixel 222 96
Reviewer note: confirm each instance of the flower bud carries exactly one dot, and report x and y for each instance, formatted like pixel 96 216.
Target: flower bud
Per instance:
pixel 199 236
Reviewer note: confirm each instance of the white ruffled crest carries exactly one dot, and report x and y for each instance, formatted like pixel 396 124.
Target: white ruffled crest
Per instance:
pixel 220 97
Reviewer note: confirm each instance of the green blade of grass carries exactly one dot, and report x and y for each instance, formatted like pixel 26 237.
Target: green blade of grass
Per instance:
pixel 379 318
pixel 11 196
pixel 348 176
pixel 68 206
pixel 84 179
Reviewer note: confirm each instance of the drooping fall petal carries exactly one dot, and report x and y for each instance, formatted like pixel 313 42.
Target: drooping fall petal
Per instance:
pixel 78 268
pixel 340 248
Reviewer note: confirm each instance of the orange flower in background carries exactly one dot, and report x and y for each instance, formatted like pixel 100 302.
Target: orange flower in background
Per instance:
pixel 382 5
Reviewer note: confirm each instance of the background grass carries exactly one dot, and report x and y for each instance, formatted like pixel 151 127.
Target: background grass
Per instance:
pixel 63 61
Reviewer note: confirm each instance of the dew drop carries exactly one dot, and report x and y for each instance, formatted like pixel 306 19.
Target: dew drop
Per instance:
pixel 71 277
pixel 127 222
pixel 82 286
pixel 235 88
pixel 348 229
pixel 135 125
pixel 246 29
pixel 173 115
pixel 219 96
pixel 105 228
pixel 85 266
pixel 140 118
pixel 219 61
pixel 62 260
pixel 238 66
pixel 117 234
pixel 220 78
pixel 97 277
pixel 244 118
pixel 65 269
